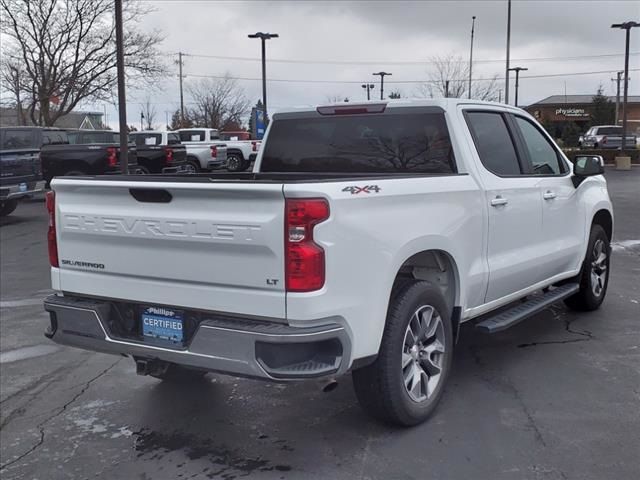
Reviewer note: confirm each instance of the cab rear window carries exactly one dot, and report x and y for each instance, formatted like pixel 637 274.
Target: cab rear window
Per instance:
pixel 372 143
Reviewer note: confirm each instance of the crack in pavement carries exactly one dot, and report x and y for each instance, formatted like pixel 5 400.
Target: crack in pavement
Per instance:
pixel 585 335
pixel 506 384
pixel 41 425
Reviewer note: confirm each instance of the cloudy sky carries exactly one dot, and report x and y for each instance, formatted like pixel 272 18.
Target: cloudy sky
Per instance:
pixel 339 44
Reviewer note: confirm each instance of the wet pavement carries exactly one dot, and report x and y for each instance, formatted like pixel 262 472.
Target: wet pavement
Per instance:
pixel 556 397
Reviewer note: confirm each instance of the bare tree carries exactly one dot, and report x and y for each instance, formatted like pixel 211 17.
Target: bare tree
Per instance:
pixel 12 74
pixel 218 102
pixel 450 78
pixel 149 113
pixel 67 50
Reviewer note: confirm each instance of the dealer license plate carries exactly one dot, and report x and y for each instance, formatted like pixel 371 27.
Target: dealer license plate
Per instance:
pixel 163 324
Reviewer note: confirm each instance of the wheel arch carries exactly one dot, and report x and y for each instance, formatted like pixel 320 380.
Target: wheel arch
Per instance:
pixel 439 268
pixel 604 218
pixel 236 151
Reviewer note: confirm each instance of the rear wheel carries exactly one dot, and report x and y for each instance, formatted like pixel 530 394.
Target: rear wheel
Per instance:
pixel 75 173
pixel 405 383
pixel 194 164
pixel 594 275
pixel 8 206
pixel 235 162
pixel 142 170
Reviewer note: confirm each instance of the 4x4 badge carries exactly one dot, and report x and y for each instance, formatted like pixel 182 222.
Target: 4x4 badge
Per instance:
pixel 355 189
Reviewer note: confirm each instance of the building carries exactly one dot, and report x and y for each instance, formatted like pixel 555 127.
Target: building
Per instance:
pixel 74 120
pixel 559 110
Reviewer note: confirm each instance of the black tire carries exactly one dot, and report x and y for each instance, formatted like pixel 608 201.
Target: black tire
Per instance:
pixel 594 275
pixel 194 163
pixel 380 386
pixel 8 206
pixel 143 170
pixel 179 374
pixel 235 162
pixel 74 173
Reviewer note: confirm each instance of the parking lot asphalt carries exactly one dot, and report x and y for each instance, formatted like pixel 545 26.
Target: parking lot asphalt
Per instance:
pixel 556 397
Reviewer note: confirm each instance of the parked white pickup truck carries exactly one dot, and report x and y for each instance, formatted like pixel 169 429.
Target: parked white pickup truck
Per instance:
pixel 204 150
pixel 362 239
pixel 239 153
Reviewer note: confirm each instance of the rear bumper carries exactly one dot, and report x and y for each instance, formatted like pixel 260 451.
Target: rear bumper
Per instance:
pixel 271 351
pixel 9 192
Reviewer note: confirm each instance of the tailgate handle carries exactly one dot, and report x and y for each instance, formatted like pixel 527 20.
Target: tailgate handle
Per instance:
pixel 151 195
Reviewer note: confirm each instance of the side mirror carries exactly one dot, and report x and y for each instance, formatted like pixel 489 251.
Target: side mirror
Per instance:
pixel 587 166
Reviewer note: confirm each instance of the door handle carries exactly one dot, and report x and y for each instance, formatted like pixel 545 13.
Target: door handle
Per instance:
pixel 499 200
pixel 549 195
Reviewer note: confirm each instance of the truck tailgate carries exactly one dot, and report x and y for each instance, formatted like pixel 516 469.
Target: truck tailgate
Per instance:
pixel 197 245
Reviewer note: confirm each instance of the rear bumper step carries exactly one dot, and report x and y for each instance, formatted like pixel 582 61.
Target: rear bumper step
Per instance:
pixel 515 315
pixel 271 351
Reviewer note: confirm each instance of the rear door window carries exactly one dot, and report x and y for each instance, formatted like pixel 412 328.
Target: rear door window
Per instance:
pixel 18 138
pixel 147 139
pixel 610 131
pixel 54 137
pixel 372 143
pixel 192 136
pixel 493 142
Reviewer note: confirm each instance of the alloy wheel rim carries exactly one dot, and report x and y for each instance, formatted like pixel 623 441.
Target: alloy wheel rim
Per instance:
pixel 598 267
pixel 423 352
pixel 233 162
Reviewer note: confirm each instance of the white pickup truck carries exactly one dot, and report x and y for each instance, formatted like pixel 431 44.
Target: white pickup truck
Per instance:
pixel 364 237
pixel 238 153
pixel 204 150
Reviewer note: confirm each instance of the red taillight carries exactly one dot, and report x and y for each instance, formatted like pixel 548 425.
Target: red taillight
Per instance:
pixel 112 156
pixel 254 146
pixel 51 232
pixel 604 140
pixel 304 262
pixel 214 151
pixel 169 154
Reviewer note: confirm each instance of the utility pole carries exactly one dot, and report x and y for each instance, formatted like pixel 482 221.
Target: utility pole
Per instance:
pixel 617 80
pixel 382 75
pixel 122 100
pixel 263 37
pixel 141 120
pixel 181 93
pixel 506 73
pixel 369 87
pixel 473 24
pixel 517 70
pixel 446 89
pixel 625 26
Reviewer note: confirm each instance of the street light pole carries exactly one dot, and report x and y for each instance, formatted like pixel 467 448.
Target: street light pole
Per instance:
pixel 625 26
pixel 473 24
pixel 517 70
pixel 382 75
pixel 122 100
pixel 369 87
pixel 263 37
pixel 506 73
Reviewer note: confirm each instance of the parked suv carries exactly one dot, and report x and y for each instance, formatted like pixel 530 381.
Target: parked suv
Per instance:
pixel 362 240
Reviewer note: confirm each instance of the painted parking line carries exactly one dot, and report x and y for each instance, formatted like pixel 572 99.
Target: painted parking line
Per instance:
pixel 23 302
pixel 27 352
pixel 624 245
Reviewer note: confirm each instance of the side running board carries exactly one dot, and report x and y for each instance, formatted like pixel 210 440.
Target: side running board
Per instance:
pixel 515 315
